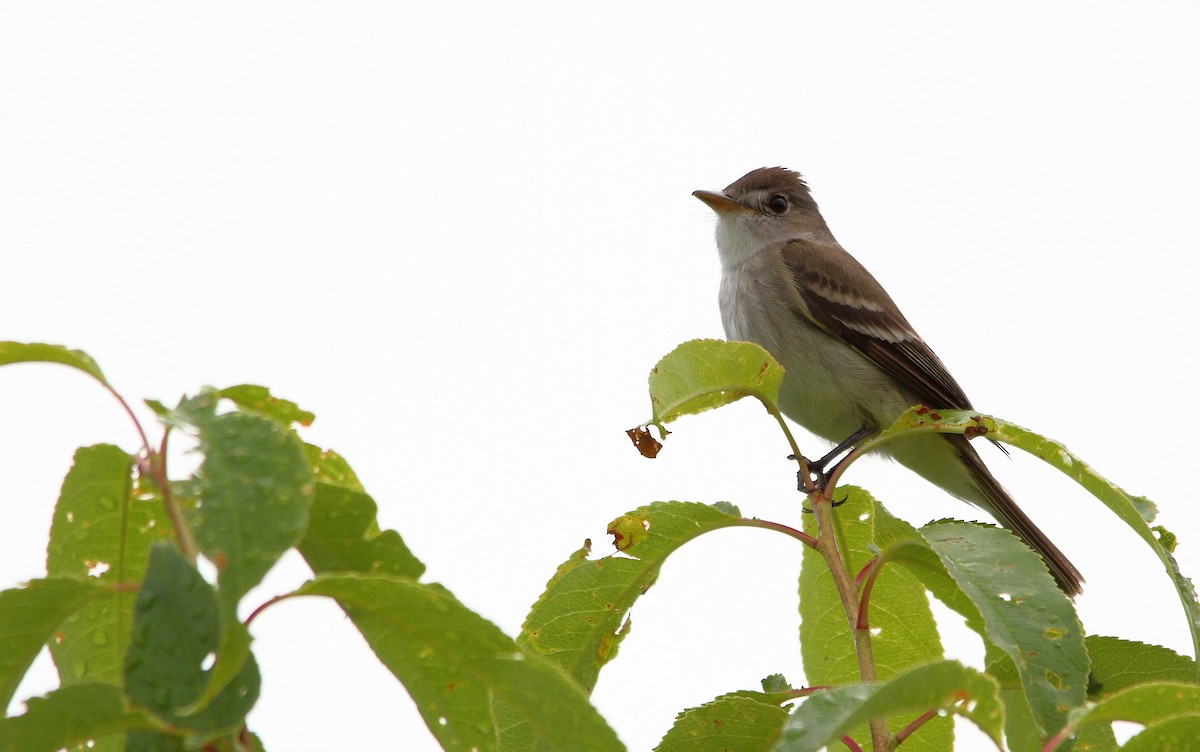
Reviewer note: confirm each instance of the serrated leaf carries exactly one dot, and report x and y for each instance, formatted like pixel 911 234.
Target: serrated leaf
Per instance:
pixel 1021 729
pixel 36 352
pixel 330 467
pixel 707 373
pixel 1178 734
pixel 254 492
pixel 258 399
pixel 344 536
pixel 176 626
pixel 946 685
pixel 1117 664
pixel 903 630
pixel 1024 613
pixel 776 683
pixel 742 721
pixel 903 544
pixel 104 523
pixel 1146 703
pixel 191 410
pixel 577 621
pixel 70 717
pixel 455 664
pixel 29 616
pixel 1132 510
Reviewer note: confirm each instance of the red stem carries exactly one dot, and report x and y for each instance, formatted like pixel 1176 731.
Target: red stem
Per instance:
pixel 799 535
pixel 129 411
pixel 254 614
pixel 872 571
pixel 910 728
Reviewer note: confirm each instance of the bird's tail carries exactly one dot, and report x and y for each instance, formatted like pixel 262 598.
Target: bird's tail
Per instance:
pixel 1008 514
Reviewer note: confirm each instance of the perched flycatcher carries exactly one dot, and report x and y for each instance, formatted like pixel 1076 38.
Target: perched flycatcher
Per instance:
pixel 853 362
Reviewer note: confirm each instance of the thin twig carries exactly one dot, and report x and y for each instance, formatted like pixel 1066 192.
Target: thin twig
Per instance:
pixel 907 731
pixel 827 546
pixel 873 569
pixel 183 532
pixel 805 474
pixel 851 744
pixel 799 535
pixel 270 602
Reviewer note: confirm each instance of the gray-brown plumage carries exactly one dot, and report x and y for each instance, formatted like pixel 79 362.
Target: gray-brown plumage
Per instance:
pixel 852 359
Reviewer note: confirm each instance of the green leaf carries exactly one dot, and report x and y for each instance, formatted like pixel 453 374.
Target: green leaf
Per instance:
pixel 104 520
pixel 1134 511
pixel 34 352
pixel 71 717
pixel 1148 703
pixel 945 685
pixel 344 536
pixel 776 683
pixel 577 623
pixel 28 618
pixel 254 491
pixel 1117 664
pixel 1091 739
pixel 258 399
pixel 232 655
pixel 456 664
pixel 707 373
pixel 1178 734
pixel 903 630
pixel 148 741
pixel 1024 613
pixel 176 626
pixel 967 567
pixel 742 721
pixel 330 467
pixel 902 544
pixel 191 410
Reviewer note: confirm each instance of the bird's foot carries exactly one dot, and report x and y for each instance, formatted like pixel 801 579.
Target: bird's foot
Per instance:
pixel 820 471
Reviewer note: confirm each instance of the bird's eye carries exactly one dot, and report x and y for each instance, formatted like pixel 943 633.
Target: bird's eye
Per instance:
pixel 778 204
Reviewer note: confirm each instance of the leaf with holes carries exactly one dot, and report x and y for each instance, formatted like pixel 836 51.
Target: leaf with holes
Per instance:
pixel 745 721
pixel 707 373
pixel 456 665
pixel 78 716
pixel 946 685
pixel 900 619
pixel 176 627
pixel 30 617
pixel 577 622
pixel 103 525
pixel 254 491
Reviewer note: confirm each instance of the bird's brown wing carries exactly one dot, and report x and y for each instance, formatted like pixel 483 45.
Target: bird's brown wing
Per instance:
pixel 866 318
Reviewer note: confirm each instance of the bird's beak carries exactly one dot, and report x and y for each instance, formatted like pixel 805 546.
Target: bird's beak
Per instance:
pixel 718 202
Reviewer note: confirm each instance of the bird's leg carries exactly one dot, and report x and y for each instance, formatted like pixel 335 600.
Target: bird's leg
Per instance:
pixel 819 475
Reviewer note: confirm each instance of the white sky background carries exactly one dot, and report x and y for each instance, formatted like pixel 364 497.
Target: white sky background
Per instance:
pixel 462 233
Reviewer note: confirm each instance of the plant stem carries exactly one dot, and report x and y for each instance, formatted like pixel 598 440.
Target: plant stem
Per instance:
pixel 822 505
pixel 803 537
pixel 806 482
pixel 920 721
pixel 158 469
pixel 183 533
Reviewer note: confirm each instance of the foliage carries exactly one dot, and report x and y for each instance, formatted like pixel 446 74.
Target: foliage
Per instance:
pixel 151 655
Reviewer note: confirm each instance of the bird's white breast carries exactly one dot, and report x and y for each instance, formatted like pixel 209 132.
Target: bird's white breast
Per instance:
pixel 829 388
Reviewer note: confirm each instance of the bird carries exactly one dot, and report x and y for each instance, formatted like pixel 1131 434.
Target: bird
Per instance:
pixel 852 361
